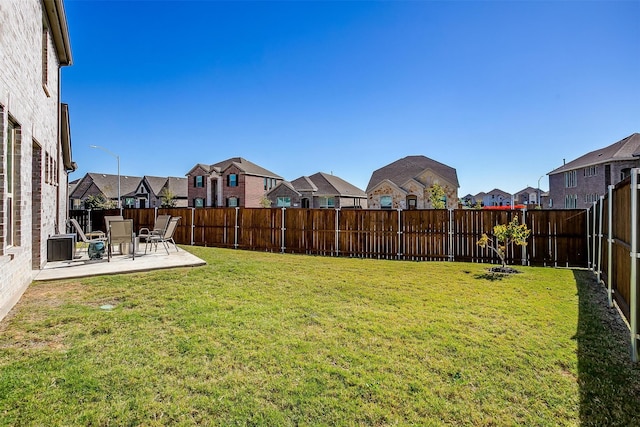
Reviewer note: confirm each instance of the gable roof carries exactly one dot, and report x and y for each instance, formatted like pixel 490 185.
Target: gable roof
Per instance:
pixel 285 184
pixel 304 184
pixel 626 149
pixel 156 183
pixel 326 184
pixel 409 167
pixel 249 168
pixel 108 184
pixel 527 190
pixel 178 186
pixel 498 192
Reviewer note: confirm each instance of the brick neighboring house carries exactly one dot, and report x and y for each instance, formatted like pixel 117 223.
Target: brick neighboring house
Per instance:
pixel 35 158
pixel 582 181
pixel 405 183
pixel 319 190
pixel 232 182
pixel 135 191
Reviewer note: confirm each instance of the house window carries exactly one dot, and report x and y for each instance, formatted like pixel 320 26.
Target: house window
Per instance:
pixel 571 201
pixel 283 202
pixel 386 202
pixel 198 181
pixel 129 202
pixel 12 177
pixel 198 202
pixel 326 202
pixel 591 171
pixel 233 202
pixel 625 173
pixel 570 179
pixel 232 180
pixel 412 202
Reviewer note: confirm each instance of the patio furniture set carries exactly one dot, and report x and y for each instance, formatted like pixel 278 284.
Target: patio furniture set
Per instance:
pixel 120 234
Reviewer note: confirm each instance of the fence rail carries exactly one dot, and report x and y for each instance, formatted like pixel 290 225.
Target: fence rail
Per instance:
pixel 614 234
pixel 558 238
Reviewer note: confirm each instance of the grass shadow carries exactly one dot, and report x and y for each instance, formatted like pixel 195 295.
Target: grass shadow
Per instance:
pixel 609 382
pixel 490 276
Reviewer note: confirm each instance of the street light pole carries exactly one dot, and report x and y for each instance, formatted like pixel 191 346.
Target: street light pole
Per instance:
pixel 118 160
pixel 539 201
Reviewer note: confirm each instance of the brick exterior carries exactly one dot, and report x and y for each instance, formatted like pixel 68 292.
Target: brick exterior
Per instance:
pixel 414 188
pixel 587 185
pixel 31 102
pixel 194 192
pixel 249 189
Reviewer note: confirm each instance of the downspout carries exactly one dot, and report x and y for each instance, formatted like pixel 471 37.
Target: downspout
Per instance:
pixel 59 156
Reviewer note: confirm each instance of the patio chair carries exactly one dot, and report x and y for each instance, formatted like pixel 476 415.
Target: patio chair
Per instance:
pixel 109 218
pixel 165 237
pixel 100 236
pixel 121 233
pixel 158 229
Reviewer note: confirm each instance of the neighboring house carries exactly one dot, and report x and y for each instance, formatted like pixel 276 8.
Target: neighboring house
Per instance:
pixel 320 190
pixel 234 182
pixel 497 197
pixel 155 188
pixel 471 201
pixel 579 183
pixel 35 158
pixel 135 192
pixel 405 184
pixel 528 196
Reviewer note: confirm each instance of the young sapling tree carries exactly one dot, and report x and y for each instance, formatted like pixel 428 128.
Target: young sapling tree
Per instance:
pixel 505 235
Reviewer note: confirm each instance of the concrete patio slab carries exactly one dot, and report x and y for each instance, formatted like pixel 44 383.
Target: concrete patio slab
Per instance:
pixel 83 267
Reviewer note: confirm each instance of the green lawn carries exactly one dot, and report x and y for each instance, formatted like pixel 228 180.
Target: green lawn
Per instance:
pixel 269 339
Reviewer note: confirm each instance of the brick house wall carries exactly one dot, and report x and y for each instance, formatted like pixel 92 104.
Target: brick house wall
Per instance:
pixel 589 184
pixel 284 191
pixel 29 100
pixel 194 192
pixel 419 190
pixel 254 191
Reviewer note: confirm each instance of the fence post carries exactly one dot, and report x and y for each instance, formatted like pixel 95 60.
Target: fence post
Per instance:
pixel 235 243
pixel 400 251
pixel 450 248
pixel 193 226
pixel 633 282
pixel 610 247
pixel 523 261
pixel 282 247
pixel 89 223
pixel 600 207
pixel 337 226
pixel 589 238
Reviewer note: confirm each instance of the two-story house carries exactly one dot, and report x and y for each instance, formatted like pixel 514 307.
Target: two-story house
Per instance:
pixel 135 191
pixel 235 182
pixel 35 157
pixel 320 190
pixel 580 182
pixel 406 184
pixel 496 197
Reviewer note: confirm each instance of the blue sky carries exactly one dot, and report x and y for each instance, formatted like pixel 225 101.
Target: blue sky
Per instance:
pixel 502 91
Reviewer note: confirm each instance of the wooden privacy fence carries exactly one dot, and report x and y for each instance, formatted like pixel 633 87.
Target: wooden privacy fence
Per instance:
pixel 613 249
pixel 558 238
